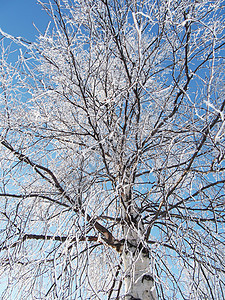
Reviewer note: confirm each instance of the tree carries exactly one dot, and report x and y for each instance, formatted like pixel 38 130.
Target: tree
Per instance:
pixel 112 153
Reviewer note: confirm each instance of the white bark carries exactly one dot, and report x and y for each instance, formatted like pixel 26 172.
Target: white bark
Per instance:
pixel 139 282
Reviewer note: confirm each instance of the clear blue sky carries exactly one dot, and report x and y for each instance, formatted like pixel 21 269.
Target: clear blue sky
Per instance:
pixel 17 18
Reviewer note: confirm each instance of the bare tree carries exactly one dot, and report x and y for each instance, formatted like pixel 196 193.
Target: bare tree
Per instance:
pixel 112 153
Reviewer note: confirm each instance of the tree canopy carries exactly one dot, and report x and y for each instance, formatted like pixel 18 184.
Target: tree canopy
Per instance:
pixel 112 153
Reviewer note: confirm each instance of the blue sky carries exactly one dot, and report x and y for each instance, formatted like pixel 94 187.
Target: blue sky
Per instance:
pixel 17 18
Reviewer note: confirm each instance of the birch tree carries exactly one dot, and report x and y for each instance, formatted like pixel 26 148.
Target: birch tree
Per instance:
pixel 112 153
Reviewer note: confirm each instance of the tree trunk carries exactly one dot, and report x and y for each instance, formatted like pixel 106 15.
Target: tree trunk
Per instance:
pixel 139 282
